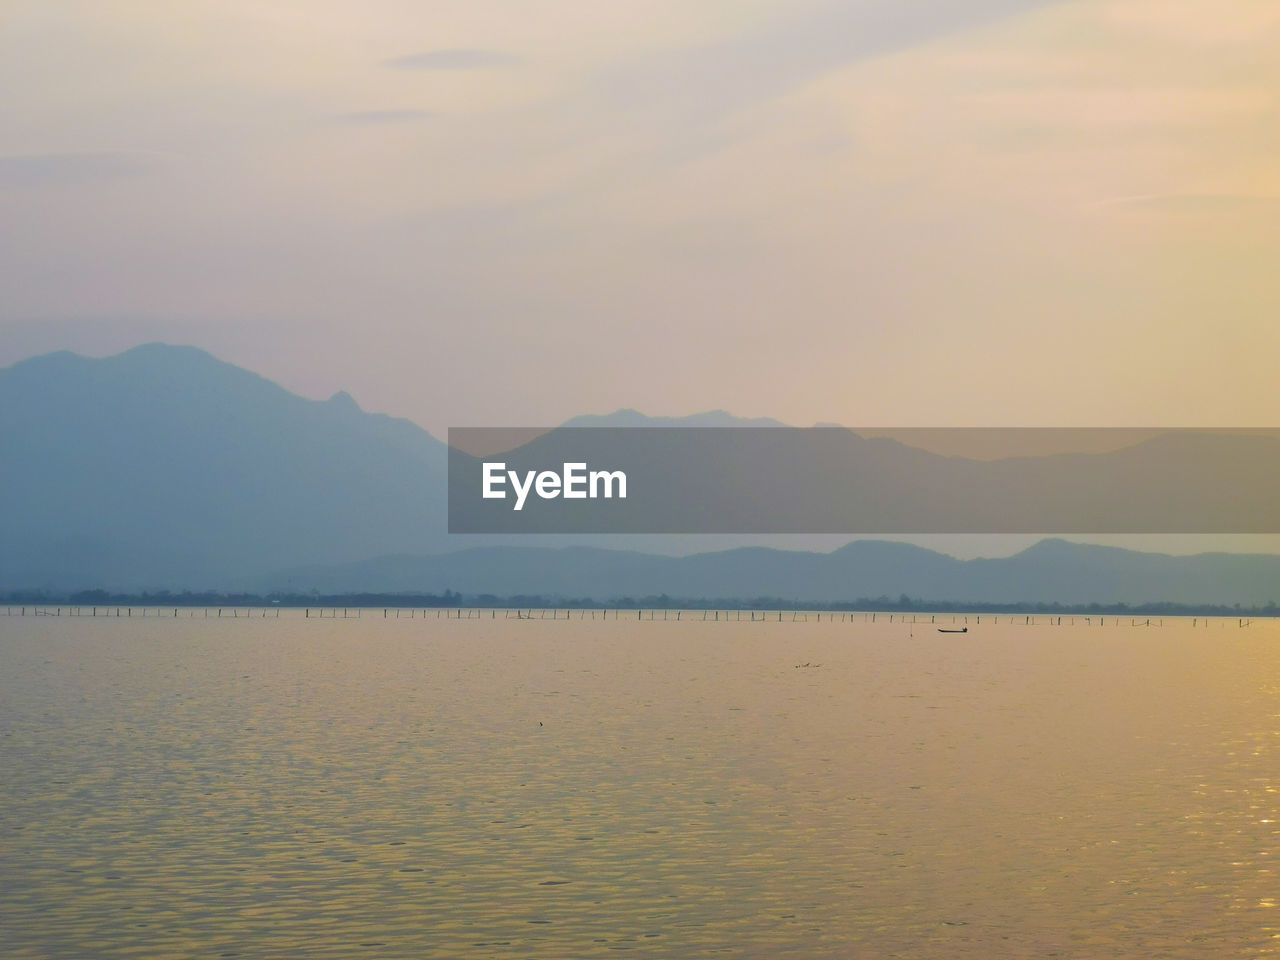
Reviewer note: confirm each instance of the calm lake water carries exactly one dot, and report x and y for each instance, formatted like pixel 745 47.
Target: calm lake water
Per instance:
pixel 504 788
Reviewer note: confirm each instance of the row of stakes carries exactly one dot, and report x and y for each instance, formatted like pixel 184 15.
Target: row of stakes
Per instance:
pixel 562 613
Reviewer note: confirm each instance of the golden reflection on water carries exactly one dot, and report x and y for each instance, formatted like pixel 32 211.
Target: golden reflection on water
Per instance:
pixel 552 789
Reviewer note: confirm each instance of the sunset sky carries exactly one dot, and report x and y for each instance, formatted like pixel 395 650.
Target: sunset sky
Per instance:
pixel 872 212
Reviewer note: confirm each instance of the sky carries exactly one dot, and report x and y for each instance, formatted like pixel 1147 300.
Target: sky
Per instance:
pixel 868 212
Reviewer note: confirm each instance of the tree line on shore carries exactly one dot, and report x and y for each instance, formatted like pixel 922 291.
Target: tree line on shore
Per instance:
pixel 449 598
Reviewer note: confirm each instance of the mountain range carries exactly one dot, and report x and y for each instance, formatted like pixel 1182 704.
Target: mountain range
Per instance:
pixel 762 480
pixel 163 467
pixel 1052 571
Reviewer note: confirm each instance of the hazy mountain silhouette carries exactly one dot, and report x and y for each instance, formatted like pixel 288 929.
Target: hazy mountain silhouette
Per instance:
pixel 1051 571
pixel 634 418
pixel 164 467
pixel 769 481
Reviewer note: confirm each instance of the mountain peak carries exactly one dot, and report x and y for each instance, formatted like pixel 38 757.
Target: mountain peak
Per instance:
pixel 1060 548
pixel 344 401
pixel 158 348
pixel 627 417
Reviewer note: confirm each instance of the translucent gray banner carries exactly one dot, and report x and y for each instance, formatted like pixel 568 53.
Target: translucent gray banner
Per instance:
pixel 770 480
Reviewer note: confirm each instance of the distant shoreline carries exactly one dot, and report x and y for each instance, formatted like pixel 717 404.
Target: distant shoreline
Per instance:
pixel 406 601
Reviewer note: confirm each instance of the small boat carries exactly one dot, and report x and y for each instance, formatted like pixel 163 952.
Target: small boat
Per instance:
pixel 953 630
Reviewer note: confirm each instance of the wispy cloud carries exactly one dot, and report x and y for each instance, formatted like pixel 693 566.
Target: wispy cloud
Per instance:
pixel 677 103
pixel 1249 202
pixel 371 118
pixel 706 82
pixel 31 170
pixel 453 60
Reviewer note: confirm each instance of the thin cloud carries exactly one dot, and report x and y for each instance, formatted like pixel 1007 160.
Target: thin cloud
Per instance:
pixel 1190 201
pixel 372 118
pixel 695 86
pixel 33 170
pixel 453 60
pixel 675 102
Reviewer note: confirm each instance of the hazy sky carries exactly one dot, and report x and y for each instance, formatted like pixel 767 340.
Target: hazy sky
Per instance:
pixel 889 212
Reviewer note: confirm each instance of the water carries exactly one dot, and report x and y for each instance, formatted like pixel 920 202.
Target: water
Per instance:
pixel 552 789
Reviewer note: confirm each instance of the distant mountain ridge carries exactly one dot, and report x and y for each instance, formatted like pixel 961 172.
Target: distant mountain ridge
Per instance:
pixel 164 467
pixel 824 481
pixel 1051 571
pixel 634 418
